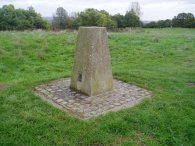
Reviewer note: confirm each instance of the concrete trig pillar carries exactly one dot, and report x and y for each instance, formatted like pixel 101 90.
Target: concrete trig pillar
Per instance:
pixel 92 73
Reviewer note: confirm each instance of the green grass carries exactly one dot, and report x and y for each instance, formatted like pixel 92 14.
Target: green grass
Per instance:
pixel 161 60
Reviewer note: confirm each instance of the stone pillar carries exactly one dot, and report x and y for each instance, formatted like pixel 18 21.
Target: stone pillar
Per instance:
pixel 92 73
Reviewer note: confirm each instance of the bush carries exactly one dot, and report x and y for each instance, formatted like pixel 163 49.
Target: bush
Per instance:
pixel 19 19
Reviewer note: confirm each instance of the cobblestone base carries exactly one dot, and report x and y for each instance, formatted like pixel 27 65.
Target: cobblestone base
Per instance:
pixel 60 95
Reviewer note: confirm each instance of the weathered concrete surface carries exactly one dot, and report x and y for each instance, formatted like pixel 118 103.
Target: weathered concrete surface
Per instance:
pixel 92 73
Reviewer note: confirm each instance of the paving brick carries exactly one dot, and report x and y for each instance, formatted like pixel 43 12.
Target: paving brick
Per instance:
pixel 123 96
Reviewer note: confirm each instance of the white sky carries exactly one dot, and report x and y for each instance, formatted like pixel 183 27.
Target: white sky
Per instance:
pixel 152 9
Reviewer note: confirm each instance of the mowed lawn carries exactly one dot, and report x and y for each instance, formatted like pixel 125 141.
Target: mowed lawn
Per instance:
pixel 160 60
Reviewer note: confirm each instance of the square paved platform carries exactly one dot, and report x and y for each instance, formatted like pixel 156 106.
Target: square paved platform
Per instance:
pixel 60 95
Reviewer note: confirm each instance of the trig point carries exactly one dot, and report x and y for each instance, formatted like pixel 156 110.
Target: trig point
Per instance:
pixel 92 73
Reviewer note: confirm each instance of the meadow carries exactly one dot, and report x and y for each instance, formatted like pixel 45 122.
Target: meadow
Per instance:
pixel 160 60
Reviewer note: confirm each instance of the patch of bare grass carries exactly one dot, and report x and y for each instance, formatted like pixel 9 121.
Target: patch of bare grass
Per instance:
pixel 191 84
pixel 4 86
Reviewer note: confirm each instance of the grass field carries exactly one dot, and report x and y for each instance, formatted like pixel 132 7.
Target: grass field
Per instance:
pixel 160 60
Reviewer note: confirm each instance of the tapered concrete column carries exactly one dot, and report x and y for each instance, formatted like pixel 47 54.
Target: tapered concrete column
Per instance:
pixel 92 73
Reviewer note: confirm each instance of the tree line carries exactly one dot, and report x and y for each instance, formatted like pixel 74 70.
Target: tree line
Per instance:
pixel 94 17
pixel 184 20
pixel 20 19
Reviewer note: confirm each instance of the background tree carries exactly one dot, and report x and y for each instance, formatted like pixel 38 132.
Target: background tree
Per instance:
pixel 132 16
pixel 60 19
pixel 183 20
pixel 190 23
pixel 136 9
pixel 151 24
pixel 7 18
pixel 164 23
pixel 36 19
pixel 20 19
pixel 119 20
pixel 132 20
pixel 93 17
pixel 105 20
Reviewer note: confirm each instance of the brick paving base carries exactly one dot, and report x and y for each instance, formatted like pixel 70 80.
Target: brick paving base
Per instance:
pixel 59 94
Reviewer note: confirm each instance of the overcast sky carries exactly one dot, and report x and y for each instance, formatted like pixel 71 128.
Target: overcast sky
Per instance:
pixel 152 9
